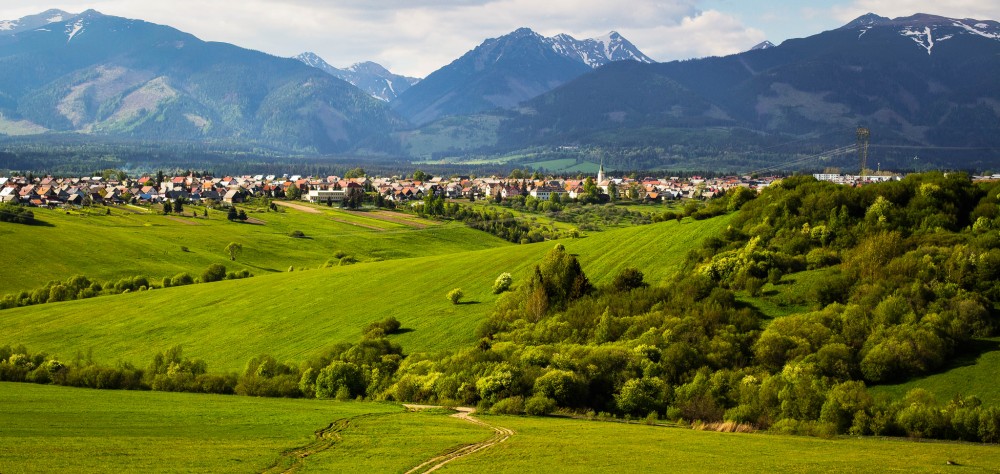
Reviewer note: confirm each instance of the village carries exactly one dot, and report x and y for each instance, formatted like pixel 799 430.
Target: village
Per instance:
pixel 119 189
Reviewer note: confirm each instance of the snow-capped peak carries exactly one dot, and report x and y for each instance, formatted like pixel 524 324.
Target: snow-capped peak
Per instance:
pixel 763 45
pixel 33 22
pixel 368 76
pixel 598 51
pixel 925 30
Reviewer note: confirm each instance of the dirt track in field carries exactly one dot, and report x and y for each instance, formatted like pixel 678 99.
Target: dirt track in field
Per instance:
pixel 500 435
pixel 298 207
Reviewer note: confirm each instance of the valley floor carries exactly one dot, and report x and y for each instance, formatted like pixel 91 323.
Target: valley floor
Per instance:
pixel 57 429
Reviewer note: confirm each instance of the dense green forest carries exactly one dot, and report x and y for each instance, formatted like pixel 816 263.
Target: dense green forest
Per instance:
pixel 911 279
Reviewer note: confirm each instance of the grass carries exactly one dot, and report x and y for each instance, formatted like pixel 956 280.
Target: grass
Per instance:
pixel 564 445
pixel 396 442
pixel 790 296
pixel 60 429
pixel 972 374
pixel 293 316
pixel 128 244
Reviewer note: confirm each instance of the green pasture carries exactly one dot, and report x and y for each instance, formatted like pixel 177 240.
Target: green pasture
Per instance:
pixel 295 315
pixel 129 242
pixel 974 373
pixel 565 445
pixel 59 429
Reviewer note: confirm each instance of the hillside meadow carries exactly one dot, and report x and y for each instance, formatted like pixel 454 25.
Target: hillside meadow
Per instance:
pixel 131 241
pixel 566 445
pixel 292 316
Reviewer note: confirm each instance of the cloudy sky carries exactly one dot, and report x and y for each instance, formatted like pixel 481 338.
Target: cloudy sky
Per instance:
pixel 415 37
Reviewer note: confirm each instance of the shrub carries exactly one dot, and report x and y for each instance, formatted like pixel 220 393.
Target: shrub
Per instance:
pixel 502 283
pixel 181 279
pixel 214 272
pixel 508 406
pixel 297 234
pixel 539 406
pixel 455 295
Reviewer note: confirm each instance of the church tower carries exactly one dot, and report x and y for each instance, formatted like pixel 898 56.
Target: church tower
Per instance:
pixel 600 173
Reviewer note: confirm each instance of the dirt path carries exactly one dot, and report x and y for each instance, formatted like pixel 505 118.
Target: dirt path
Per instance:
pixel 298 207
pixel 182 220
pixel 366 226
pixel 292 460
pixel 500 435
pixel 389 217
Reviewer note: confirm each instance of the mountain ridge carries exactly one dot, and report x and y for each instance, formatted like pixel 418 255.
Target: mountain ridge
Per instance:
pixel 368 76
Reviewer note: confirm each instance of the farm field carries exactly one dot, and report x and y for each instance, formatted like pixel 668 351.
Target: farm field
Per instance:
pixel 565 445
pixel 293 316
pixel 128 243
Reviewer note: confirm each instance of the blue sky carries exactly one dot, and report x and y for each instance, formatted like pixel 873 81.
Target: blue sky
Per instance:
pixel 416 37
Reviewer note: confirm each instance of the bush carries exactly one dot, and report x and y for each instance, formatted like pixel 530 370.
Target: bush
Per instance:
pixel 502 283
pixel 508 406
pixel 181 279
pixel 455 296
pixel 214 272
pixel 539 406
pixel 297 234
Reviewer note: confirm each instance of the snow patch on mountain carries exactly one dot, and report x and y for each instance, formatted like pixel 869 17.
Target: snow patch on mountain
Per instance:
pixel 73 30
pixel 7 25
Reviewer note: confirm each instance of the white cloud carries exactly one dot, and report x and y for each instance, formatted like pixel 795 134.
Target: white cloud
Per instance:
pixel 710 33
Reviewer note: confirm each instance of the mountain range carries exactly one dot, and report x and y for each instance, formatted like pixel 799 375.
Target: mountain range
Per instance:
pixel 368 76
pixel 920 82
pixel 109 76
pixel 925 85
pixel 505 71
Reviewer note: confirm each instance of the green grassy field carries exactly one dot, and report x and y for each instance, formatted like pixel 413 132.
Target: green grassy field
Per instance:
pixel 974 374
pixel 60 429
pixel 295 315
pixel 127 244
pixel 48 428
pixel 563 445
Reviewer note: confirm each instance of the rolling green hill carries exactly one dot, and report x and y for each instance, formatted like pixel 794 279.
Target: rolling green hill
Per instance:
pixel 294 315
pixel 130 242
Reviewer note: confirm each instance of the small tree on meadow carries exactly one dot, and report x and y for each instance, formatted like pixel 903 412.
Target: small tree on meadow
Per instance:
pixel 232 215
pixel 455 296
pixel 167 207
pixel 502 283
pixel 234 249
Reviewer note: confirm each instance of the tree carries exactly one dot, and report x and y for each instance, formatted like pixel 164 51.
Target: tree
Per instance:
pixel 419 175
pixel 232 215
pixel 179 205
pixel 234 249
pixel 242 215
pixel 612 191
pixel 293 192
pixel 167 208
pixel 455 296
pixel 355 173
pixel 502 283
pixel 627 280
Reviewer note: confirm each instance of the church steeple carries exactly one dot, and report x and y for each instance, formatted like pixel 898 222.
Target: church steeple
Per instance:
pixel 600 173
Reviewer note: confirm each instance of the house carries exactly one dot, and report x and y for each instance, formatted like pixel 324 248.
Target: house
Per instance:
pixel 8 194
pixel 544 193
pixel 234 196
